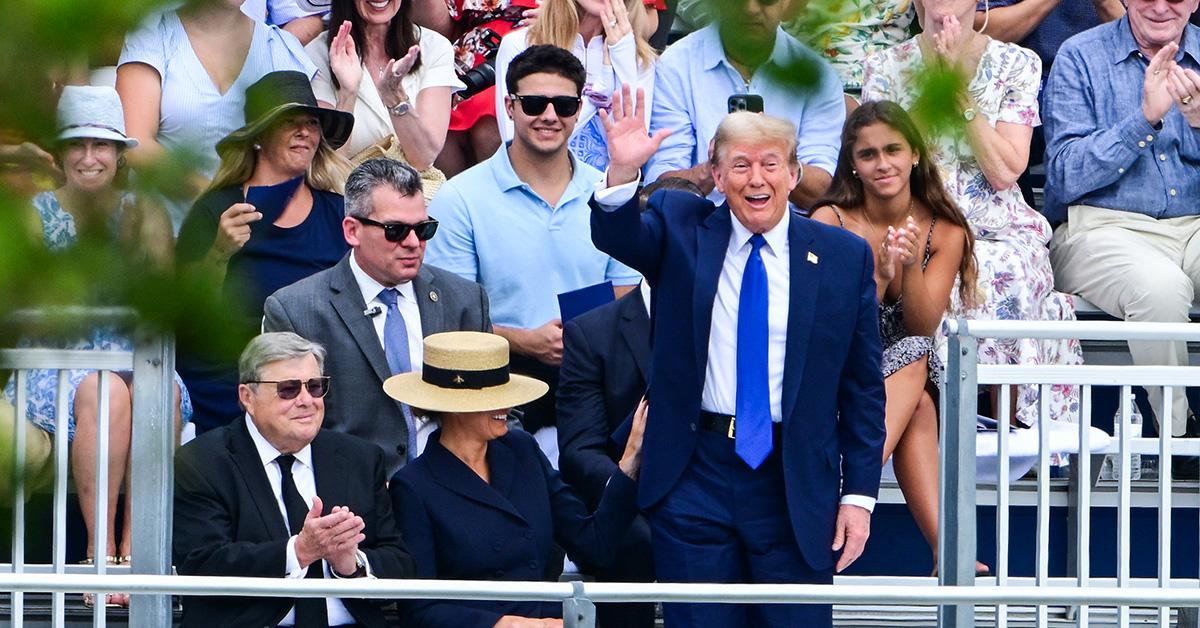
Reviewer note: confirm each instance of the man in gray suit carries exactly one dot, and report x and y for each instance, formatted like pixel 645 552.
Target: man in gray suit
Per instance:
pixel 373 308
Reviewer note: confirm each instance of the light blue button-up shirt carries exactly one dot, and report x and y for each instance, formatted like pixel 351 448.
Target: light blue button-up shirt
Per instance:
pixel 497 231
pixel 694 82
pixel 1100 150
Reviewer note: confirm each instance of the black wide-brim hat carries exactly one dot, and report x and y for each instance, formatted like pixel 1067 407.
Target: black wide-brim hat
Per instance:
pixel 280 93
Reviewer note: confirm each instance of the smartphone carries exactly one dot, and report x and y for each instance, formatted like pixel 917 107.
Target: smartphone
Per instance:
pixel 746 102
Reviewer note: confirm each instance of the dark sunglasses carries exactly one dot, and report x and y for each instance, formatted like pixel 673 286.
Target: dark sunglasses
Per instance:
pixel 398 231
pixel 288 389
pixel 564 106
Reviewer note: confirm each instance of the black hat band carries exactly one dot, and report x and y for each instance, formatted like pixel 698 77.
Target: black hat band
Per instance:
pixel 454 378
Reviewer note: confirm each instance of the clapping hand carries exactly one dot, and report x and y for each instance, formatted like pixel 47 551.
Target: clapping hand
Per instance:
pixel 333 537
pixel 1184 86
pixel 1156 95
pixel 390 87
pixel 905 240
pixel 616 21
pixel 629 145
pixel 343 60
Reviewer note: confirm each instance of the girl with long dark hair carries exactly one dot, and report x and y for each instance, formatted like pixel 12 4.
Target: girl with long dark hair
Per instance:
pixel 887 191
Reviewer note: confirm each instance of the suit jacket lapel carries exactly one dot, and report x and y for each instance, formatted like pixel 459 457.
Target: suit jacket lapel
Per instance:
pixel 712 238
pixel 348 302
pixel 245 456
pixel 635 329
pixel 429 303
pixel 456 476
pixel 805 284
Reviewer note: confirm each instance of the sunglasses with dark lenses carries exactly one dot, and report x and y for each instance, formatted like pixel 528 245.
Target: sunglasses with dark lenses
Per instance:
pixel 398 231
pixel 564 106
pixel 288 389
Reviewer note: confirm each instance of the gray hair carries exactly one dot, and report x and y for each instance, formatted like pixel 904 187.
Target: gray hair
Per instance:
pixel 275 347
pixel 373 173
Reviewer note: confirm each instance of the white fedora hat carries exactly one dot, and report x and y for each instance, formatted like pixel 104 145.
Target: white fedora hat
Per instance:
pixel 85 111
pixel 464 371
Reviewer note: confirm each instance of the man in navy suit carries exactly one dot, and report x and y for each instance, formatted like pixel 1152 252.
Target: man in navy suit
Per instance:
pixel 764 441
pixel 606 353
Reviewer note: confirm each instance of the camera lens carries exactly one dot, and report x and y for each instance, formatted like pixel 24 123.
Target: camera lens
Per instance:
pixel 478 78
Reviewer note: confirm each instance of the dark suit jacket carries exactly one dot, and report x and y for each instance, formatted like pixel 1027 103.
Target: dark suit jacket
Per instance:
pixel 833 392
pixel 606 353
pixel 227 520
pixel 328 308
pixel 465 529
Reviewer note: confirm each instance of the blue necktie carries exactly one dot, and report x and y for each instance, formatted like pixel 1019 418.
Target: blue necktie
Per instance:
pixel 753 405
pixel 395 346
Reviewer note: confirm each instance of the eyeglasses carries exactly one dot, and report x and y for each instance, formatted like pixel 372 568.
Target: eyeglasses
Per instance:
pixel 564 106
pixel 288 389
pixel 398 231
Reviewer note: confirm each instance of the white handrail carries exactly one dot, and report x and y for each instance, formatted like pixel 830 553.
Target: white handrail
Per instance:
pixel 920 594
pixel 1083 330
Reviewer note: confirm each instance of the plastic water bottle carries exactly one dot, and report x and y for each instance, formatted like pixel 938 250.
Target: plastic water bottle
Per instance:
pixel 1110 469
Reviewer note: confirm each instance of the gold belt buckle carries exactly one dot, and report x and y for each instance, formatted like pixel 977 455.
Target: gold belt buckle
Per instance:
pixel 732 422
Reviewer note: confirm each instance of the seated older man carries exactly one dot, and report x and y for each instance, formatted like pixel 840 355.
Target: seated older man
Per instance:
pixel 275 496
pixel 1122 120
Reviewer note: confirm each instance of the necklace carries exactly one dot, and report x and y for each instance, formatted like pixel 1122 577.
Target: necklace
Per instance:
pixel 875 230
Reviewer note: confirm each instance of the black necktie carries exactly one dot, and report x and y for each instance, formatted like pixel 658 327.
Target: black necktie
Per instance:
pixel 310 611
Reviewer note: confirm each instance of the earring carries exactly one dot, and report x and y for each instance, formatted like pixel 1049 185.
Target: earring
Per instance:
pixel 258 147
pixel 855 173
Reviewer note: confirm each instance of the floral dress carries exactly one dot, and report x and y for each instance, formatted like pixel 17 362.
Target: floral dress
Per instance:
pixel 476 18
pixel 858 29
pixel 59 234
pixel 1015 278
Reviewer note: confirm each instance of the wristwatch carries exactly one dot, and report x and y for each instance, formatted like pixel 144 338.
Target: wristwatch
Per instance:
pixel 969 114
pixel 401 109
pixel 360 567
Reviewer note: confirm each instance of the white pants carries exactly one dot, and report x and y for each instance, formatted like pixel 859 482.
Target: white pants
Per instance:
pixel 1137 268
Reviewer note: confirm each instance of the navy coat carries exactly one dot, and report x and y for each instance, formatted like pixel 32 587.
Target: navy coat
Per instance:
pixel 833 393
pixel 462 528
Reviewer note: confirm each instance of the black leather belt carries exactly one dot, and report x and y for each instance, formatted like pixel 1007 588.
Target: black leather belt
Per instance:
pixel 726 424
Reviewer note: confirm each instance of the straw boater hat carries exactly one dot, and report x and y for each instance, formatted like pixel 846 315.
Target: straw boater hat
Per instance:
pixel 464 371
pixel 91 112
pixel 277 94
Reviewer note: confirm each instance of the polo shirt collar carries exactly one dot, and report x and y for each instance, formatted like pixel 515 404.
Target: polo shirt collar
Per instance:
pixel 713 52
pixel 1123 44
pixel 506 177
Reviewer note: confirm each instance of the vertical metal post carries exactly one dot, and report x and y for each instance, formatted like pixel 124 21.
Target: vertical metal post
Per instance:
pixel 18 478
pixel 100 494
pixel 61 416
pixel 152 486
pixel 956 517
pixel 578 610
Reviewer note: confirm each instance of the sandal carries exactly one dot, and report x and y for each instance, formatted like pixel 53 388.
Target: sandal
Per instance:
pixel 111 600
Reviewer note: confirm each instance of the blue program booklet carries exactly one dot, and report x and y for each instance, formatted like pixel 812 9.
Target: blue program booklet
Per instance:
pixel 576 302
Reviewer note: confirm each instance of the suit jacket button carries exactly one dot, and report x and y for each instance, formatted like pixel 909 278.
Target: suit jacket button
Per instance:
pixel 402 450
pixel 533 565
pixel 693 426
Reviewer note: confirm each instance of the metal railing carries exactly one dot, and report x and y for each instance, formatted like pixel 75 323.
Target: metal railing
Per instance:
pixel 151 486
pixel 956 596
pixel 958 484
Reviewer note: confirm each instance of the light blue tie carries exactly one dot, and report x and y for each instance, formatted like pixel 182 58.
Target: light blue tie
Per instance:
pixel 753 404
pixel 395 346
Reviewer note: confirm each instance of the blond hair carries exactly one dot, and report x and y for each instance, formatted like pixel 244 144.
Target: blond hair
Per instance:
pixel 558 25
pixel 327 171
pixel 754 128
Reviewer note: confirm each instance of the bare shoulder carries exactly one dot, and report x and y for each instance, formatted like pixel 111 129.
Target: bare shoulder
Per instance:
pixel 826 214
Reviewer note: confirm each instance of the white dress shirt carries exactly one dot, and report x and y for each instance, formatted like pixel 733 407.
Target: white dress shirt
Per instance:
pixel 407 304
pixel 719 394
pixel 306 485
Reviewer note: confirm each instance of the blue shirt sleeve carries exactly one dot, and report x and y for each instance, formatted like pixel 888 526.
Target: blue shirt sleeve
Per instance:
pixel 671 110
pixel 453 247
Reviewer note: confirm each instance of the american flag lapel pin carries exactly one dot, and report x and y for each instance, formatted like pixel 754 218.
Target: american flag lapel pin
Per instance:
pixel 812 258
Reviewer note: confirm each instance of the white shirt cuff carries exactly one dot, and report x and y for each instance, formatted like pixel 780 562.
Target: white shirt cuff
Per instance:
pixel 862 501
pixel 292 568
pixel 611 198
